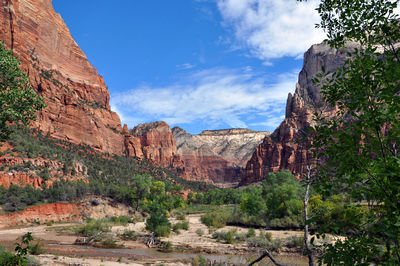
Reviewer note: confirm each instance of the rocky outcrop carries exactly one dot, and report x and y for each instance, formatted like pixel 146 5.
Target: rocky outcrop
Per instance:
pixel 78 108
pixel 157 144
pixel 78 100
pixel 287 147
pixel 44 213
pixel 217 156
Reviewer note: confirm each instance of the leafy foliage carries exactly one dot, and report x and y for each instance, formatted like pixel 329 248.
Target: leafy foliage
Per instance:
pixel 125 180
pixel 357 148
pixel 18 101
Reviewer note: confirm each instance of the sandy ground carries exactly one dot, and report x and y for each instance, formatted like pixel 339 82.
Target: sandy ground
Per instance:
pixel 61 250
pixel 205 243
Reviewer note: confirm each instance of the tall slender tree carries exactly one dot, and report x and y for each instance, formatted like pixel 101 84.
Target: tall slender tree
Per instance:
pixel 357 149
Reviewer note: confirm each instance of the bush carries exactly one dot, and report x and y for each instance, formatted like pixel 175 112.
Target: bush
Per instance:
pixel 295 242
pixel 37 248
pixel 181 217
pixel 166 246
pixel 251 232
pixel 129 235
pixel 215 219
pixel 227 236
pixel 159 224
pixel 199 232
pixel 261 242
pixel 93 229
pixel 6 256
pixel 240 236
pixel 109 243
pixel 121 220
pixel 181 225
pixel 199 261
pixel 163 230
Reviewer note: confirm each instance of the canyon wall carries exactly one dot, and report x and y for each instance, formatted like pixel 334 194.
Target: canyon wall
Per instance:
pixel 77 98
pixel 287 147
pixel 217 156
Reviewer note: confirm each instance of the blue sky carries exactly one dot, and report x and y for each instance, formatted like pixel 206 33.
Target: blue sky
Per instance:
pixel 197 64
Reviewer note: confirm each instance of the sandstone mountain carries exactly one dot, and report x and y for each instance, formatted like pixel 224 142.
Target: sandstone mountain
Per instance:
pixel 217 156
pixel 78 108
pixel 284 149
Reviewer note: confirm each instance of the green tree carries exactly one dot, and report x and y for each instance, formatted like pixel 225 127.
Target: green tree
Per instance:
pixel 141 187
pixel 18 101
pixel 357 150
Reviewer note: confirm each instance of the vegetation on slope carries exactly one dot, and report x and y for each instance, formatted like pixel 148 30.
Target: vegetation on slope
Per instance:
pixel 125 180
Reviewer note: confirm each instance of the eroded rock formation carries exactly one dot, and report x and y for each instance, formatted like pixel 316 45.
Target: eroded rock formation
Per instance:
pixel 284 149
pixel 157 145
pixel 77 97
pixel 78 108
pixel 44 213
pixel 217 156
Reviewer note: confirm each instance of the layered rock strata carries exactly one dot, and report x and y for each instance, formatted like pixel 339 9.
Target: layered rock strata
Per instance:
pixel 287 148
pixel 157 144
pixel 217 156
pixel 77 98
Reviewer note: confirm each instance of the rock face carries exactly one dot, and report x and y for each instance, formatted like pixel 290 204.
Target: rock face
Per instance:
pixel 284 148
pixel 78 108
pixel 77 97
pixel 43 213
pixel 217 156
pixel 157 145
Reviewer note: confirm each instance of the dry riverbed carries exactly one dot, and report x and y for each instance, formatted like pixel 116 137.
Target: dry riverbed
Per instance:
pixel 58 241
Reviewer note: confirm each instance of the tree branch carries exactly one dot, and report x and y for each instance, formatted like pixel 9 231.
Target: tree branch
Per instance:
pixel 269 255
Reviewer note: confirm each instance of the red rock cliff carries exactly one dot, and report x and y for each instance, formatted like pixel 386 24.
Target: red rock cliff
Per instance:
pixel 157 145
pixel 77 97
pixel 283 149
pixel 78 100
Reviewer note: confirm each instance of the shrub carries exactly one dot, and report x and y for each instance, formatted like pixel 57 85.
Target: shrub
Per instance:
pixel 200 261
pixel 5 256
pixel 129 235
pixel 121 220
pixel 181 217
pixel 49 223
pixel 266 235
pixel 215 219
pixel 159 224
pixel 240 236
pixel 199 232
pixel 37 248
pixel 295 242
pixel 163 230
pixel 181 225
pixel 166 246
pixel 109 243
pixel 93 229
pixel 251 232
pixel 227 236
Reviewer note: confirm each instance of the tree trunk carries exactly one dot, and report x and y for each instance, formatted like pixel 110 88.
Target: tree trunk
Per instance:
pixel 306 198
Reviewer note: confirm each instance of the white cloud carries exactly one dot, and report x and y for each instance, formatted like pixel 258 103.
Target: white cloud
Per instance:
pixel 186 66
pixel 215 96
pixel 272 28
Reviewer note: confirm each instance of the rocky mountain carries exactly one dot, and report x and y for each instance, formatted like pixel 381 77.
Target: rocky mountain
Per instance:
pixel 158 145
pixel 217 156
pixel 286 147
pixel 78 108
